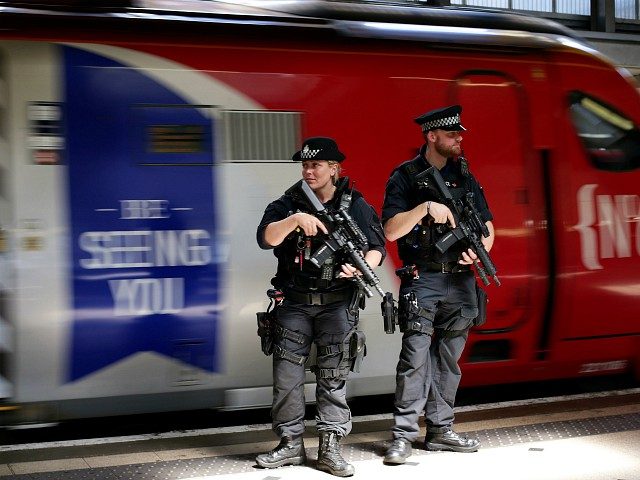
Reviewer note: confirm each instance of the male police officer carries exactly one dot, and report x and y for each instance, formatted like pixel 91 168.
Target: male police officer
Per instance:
pixel 439 301
pixel 321 305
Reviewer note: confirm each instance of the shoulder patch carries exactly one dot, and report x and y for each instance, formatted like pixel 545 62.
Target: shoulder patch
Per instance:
pixel 411 168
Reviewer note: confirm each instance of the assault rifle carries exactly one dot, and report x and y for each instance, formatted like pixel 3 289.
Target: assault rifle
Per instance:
pixel 469 225
pixel 345 235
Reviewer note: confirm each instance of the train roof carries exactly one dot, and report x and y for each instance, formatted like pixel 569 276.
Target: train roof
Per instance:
pixel 448 26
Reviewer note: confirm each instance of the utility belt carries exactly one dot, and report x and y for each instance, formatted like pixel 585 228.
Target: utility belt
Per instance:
pixel 443 267
pixel 319 298
pixel 412 270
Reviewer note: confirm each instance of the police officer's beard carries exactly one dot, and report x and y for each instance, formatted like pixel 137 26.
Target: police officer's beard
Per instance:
pixel 446 151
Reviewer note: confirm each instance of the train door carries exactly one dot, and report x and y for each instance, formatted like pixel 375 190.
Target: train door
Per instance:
pixel 499 150
pixel 596 185
pixel 143 228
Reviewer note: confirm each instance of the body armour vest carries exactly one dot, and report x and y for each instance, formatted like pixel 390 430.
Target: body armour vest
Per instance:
pixel 295 270
pixel 418 246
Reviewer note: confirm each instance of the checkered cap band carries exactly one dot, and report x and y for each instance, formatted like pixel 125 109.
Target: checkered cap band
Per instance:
pixel 441 122
pixel 308 153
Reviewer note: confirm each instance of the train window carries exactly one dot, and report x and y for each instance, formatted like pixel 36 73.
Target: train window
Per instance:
pixel 176 138
pixel 172 135
pixel 261 135
pixel 612 140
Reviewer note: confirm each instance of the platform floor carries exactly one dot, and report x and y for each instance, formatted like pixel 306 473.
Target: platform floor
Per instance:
pixel 572 439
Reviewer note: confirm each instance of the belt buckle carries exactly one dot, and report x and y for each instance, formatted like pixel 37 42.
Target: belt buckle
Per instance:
pixel 443 268
pixel 316 298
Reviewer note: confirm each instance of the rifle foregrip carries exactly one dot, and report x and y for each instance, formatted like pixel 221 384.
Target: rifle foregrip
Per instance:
pixel 368 276
pixel 361 283
pixel 481 271
pixel 487 267
pixel 363 266
pixel 488 264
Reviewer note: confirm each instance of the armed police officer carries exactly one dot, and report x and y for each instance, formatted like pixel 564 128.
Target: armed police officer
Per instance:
pixel 438 301
pixel 321 305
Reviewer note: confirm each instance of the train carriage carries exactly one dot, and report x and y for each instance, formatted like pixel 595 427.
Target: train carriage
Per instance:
pixel 139 145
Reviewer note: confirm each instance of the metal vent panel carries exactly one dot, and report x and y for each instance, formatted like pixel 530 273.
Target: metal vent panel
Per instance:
pixel 261 136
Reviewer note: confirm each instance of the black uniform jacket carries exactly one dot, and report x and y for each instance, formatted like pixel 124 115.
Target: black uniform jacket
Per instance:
pixel 401 195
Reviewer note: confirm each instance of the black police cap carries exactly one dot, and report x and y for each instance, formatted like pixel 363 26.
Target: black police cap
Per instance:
pixel 447 118
pixel 319 148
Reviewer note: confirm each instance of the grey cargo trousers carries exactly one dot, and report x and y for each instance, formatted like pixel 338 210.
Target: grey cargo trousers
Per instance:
pixel 428 375
pixel 326 325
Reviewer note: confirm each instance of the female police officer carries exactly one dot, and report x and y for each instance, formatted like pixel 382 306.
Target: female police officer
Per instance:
pixel 320 305
pixel 443 294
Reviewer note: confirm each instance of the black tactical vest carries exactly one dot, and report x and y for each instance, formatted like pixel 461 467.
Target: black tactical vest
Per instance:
pixel 418 246
pixel 294 268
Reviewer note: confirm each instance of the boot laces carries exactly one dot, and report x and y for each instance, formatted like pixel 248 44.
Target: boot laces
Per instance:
pixel 332 448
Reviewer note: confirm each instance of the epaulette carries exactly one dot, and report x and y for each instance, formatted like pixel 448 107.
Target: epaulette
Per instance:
pixel 411 167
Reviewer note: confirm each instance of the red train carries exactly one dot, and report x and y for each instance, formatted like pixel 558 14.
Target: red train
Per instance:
pixel 140 144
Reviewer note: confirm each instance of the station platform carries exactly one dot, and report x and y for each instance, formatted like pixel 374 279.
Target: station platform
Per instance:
pixel 580 437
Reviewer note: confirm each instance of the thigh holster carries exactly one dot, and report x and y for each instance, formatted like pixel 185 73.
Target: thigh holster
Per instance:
pixel 412 317
pixel 267 321
pixel 337 360
pixel 286 334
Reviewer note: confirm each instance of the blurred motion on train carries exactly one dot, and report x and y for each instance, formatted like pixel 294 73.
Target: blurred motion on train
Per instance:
pixel 139 146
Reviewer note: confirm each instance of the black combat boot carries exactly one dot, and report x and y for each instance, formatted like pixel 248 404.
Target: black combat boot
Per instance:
pixel 289 452
pixel 447 439
pixel 398 452
pixel 329 458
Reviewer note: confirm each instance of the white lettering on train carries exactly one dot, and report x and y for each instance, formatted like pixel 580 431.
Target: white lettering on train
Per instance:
pixel 606 224
pixel 603 366
pixel 144 209
pixel 145 248
pixel 146 296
